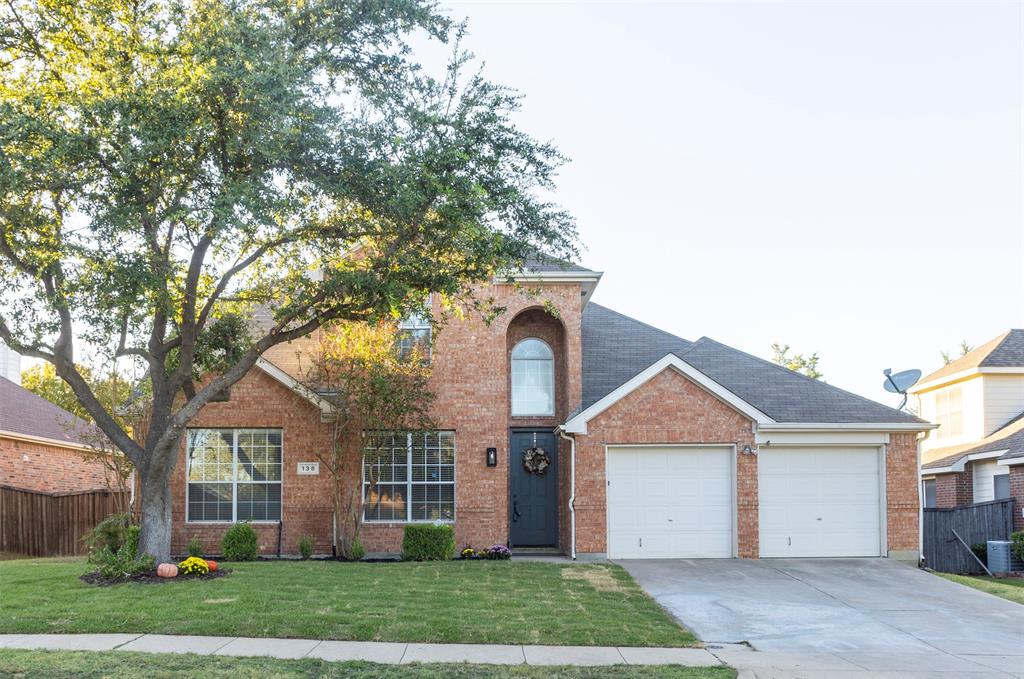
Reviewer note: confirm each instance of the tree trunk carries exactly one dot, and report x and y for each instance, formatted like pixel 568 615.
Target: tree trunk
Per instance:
pixel 156 511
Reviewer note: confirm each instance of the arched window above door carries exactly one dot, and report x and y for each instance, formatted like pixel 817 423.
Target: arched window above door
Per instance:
pixel 533 378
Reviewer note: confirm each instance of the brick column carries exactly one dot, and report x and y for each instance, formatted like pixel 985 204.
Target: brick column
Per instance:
pixel 1017 493
pixel 954 490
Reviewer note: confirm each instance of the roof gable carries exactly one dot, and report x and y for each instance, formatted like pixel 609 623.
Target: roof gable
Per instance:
pixel 616 348
pixel 1004 351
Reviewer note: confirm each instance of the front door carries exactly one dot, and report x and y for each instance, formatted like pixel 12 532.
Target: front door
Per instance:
pixel 533 485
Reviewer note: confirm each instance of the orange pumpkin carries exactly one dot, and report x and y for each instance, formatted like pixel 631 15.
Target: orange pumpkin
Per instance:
pixel 212 565
pixel 167 570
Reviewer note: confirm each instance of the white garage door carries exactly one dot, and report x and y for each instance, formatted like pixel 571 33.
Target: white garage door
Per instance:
pixel 670 502
pixel 819 501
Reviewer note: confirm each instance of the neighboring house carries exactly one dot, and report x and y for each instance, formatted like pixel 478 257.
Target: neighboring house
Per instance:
pixel 41 445
pixel 977 454
pixel 658 446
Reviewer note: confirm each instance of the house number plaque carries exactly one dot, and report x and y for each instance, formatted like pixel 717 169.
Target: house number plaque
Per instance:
pixel 308 468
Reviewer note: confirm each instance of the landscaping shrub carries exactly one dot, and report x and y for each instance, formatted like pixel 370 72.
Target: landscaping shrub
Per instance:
pixel 426 542
pixel 193 566
pixel 306 547
pixel 239 543
pixel 356 551
pixel 1018 544
pixel 121 564
pixel 131 539
pixel 980 550
pixel 467 553
pixel 110 533
pixel 195 546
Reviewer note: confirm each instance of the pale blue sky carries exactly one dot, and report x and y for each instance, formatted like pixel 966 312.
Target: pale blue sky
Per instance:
pixel 846 179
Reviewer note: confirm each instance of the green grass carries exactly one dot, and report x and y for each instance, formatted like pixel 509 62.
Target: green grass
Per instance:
pixel 126 665
pixel 1011 589
pixel 455 602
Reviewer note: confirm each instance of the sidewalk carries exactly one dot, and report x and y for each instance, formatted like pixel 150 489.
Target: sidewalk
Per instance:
pixel 370 651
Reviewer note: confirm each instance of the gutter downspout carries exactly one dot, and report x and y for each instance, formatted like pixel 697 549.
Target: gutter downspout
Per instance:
pixel 572 492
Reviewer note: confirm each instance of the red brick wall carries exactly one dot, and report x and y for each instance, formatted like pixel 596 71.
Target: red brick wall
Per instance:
pixel 37 466
pixel 667 409
pixel 471 382
pixel 261 401
pixel 1017 493
pixel 954 490
pixel 901 493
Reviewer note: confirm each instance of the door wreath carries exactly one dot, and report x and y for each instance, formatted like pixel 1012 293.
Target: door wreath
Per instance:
pixel 536 461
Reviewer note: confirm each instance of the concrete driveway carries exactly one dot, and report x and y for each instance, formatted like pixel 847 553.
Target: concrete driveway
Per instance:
pixel 841 615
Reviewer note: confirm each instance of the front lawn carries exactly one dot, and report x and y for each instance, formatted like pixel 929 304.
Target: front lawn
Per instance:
pixel 126 665
pixel 496 602
pixel 1011 589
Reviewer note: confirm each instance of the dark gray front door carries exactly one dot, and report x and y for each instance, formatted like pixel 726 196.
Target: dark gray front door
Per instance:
pixel 534 507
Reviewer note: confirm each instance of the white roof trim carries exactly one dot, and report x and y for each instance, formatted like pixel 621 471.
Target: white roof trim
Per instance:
pixel 578 423
pixel 1011 461
pixel 293 384
pixel 847 426
pixel 961 464
pixel 963 374
pixel 43 440
pixel 563 276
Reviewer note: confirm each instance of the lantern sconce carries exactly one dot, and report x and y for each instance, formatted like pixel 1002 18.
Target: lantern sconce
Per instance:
pixel 492 457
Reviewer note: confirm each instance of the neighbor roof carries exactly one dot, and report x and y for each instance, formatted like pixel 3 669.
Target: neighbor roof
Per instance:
pixel 546 264
pixel 617 347
pixel 25 413
pixel 1010 437
pixel 1005 351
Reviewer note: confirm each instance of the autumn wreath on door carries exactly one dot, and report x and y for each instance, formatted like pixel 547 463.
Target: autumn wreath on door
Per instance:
pixel 536 460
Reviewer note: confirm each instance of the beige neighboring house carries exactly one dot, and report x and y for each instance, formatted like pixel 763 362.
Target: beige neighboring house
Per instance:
pixel 977 453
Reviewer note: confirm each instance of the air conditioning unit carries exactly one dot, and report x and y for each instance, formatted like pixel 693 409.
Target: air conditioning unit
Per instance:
pixel 1000 557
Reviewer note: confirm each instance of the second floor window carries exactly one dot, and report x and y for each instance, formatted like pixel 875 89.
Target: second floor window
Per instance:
pixel 949 412
pixel 414 336
pixel 533 378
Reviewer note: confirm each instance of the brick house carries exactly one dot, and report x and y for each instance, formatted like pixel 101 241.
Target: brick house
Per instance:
pixel 654 447
pixel 41 445
pixel 977 453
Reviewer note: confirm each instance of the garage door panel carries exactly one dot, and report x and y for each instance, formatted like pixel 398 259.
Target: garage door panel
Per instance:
pixel 819 502
pixel 670 502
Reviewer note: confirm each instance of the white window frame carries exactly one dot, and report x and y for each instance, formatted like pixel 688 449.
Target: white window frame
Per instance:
pixel 234 475
pixel 409 483
pixel 944 415
pixel 512 382
pixel 417 323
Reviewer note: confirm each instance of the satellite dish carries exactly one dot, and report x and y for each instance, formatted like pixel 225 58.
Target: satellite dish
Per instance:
pixel 900 382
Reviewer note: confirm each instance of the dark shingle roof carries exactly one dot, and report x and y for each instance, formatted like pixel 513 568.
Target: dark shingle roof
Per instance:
pixel 1010 437
pixel 616 348
pixel 1005 351
pixel 545 264
pixel 23 412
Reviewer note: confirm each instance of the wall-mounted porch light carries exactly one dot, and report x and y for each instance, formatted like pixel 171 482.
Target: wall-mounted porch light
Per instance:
pixel 492 457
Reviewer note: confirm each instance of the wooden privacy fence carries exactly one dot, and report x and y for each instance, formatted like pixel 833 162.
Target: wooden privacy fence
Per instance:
pixel 974 523
pixel 51 524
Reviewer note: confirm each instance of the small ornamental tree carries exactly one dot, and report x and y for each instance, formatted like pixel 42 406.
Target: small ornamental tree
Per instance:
pixel 168 166
pixel 370 387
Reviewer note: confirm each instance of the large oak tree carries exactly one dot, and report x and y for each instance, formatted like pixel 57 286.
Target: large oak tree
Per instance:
pixel 166 166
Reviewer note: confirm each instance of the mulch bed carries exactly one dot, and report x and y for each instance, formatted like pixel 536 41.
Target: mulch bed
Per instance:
pixel 150 578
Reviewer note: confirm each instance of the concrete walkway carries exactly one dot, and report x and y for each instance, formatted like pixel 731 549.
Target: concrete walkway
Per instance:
pixel 370 651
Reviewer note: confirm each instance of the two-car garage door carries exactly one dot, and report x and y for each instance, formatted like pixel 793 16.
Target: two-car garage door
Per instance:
pixel 678 501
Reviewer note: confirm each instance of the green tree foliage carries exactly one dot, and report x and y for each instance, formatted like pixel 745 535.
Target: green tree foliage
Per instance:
pixel 965 349
pixel 42 379
pixel 168 165
pixel 371 387
pixel 806 365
